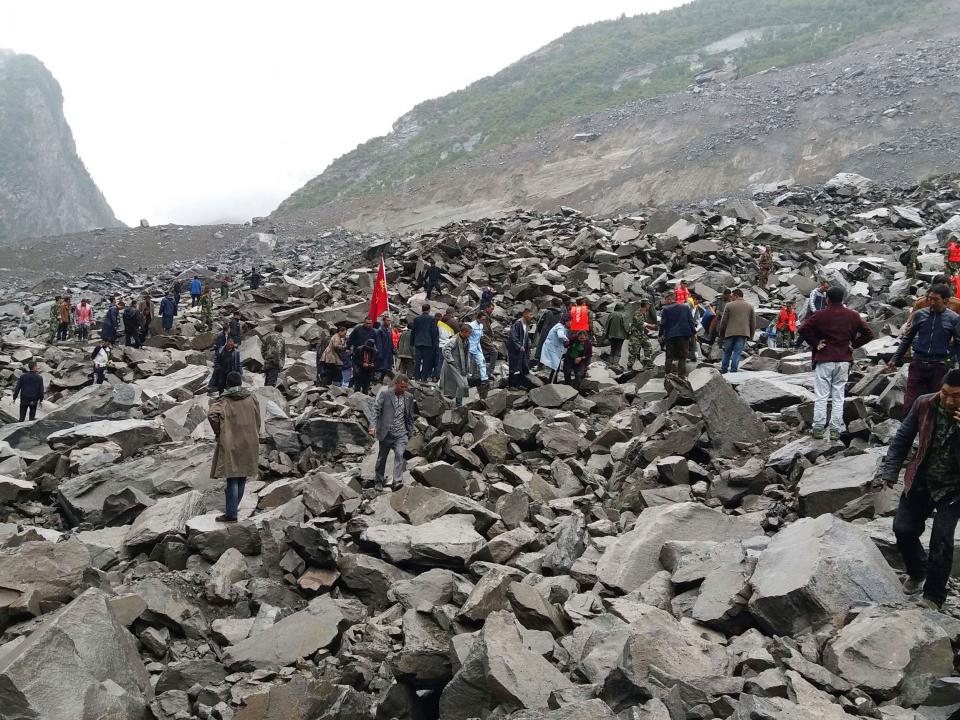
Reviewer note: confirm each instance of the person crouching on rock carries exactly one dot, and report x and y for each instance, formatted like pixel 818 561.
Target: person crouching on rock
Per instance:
pixel 235 419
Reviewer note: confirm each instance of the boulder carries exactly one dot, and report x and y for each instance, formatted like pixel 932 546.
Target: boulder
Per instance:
pixel 211 538
pixel 370 578
pixel 165 517
pixel 131 435
pixel 424 661
pixel 441 475
pixel 447 541
pixel 552 396
pixel 814 571
pixel 635 557
pixel 729 419
pixel 828 486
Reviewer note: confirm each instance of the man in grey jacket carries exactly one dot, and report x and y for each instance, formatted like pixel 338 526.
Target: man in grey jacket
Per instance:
pixel 392 426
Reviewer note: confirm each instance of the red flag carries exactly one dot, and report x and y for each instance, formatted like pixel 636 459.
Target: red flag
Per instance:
pixel 378 302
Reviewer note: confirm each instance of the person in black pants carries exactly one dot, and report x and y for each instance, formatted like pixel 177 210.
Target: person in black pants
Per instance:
pixel 29 388
pixel 426 339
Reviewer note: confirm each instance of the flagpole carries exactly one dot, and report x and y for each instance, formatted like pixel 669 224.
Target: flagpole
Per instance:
pixel 385 282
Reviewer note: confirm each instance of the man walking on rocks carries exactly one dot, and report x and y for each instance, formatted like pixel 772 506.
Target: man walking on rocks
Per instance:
pixel 108 328
pixel 102 358
pixel 931 486
pixel 426 340
pixel 235 419
pixel 644 319
pixel 168 310
pixel 548 317
pixel 934 338
pixel 455 375
pixel 29 389
pixel 738 324
pixel 206 308
pixel 765 265
pixel 196 287
pixel 63 326
pixel 616 332
pixel 833 333
pixel 818 298
pixel 131 324
pixel 83 316
pixel 676 328
pixel 518 350
pixel 431 279
pixel 392 426
pixel 274 352
pixel 385 348
pixel 227 361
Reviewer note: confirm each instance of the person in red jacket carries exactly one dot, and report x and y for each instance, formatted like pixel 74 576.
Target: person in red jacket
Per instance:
pixel 953 255
pixel 832 333
pixel 682 292
pixel 786 326
pixel 580 316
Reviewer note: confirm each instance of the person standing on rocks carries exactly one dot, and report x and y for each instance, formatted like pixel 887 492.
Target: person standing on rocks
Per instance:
pixel 255 278
pixel 224 287
pixel 146 317
pixel 682 293
pixel 206 308
pixel 196 288
pixel 83 315
pixel 738 324
pixel 765 267
pixel 931 486
pixel 392 426
pixel 405 349
pixel 29 389
pixel 360 334
pixel 426 340
pixel 643 320
pixel 131 324
pixel 385 348
pixel 911 256
pixel 818 298
pixel 934 338
pixel 833 333
pixel 548 317
pixel 952 258
pixel 274 352
pixel 554 349
pixel 580 316
pixel 108 328
pixel 63 325
pixel 168 310
pixel 458 364
pixel 364 365
pixel 786 326
pixel 176 290
pixel 431 278
pixel 102 359
pixel 26 317
pixel 726 297
pixel 332 357
pixel 227 361
pixel 616 331
pixel 236 328
pixel 576 359
pixel 235 419
pixel 676 328
pixel 518 350
pixel 487 346
pixel 54 328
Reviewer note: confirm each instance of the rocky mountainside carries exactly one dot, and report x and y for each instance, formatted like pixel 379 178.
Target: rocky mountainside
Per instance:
pixel 706 100
pixel 44 187
pixel 642 547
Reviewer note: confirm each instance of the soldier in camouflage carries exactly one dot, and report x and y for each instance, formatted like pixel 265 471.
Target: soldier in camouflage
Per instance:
pixel 54 320
pixel 639 342
pixel 274 351
pixel 206 308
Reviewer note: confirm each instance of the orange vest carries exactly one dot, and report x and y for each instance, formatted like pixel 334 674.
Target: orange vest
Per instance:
pixel 682 294
pixel 953 252
pixel 580 318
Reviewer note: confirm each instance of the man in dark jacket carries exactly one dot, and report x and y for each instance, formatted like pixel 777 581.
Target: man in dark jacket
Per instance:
pixel 616 331
pixel 392 426
pixel 360 334
pixel 131 324
pixel 364 365
pixel 29 388
pixel 833 333
pixel 235 328
pixel 518 350
pixel 431 279
pixel 931 485
pixel 108 328
pixel 929 335
pixel 168 309
pixel 385 349
pixel 677 326
pixel 226 362
pixel 548 318
pixel 175 291
pixel 426 340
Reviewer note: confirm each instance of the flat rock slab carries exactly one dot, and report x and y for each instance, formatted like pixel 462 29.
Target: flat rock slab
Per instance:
pixel 729 419
pixel 131 435
pixel 827 487
pixel 447 541
pixel 165 517
pixel 552 396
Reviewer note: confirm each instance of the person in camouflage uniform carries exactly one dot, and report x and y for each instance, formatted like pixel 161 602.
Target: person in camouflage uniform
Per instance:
pixel 274 351
pixel 54 320
pixel 913 263
pixel 224 288
pixel 639 342
pixel 206 307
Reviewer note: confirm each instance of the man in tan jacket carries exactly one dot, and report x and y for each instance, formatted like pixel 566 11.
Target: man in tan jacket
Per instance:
pixel 235 419
pixel 738 324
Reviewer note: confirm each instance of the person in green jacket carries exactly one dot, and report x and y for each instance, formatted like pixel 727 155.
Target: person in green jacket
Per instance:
pixel 54 320
pixel 616 331
pixel 405 349
pixel 206 308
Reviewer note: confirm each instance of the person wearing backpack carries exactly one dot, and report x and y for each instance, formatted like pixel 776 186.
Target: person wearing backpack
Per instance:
pixel 365 364
pixel 102 359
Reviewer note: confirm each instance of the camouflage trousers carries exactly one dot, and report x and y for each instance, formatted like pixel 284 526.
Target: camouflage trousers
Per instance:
pixel 639 342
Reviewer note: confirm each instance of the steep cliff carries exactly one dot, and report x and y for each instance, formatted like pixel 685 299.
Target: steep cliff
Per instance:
pixel 45 188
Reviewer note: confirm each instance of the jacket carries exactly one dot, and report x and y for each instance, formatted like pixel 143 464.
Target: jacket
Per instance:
pixel 108 328
pixel 519 341
pixel 385 351
pixel 359 335
pixel 131 320
pixel 196 287
pixel 930 335
pixel 738 320
pixel 383 410
pixel 64 312
pixel 617 326
pixel 102 357
pixel 228 362
pixel 841 328
pixel 425 332
pixel 235 330
pixel 83 314
pixel 29 387
pixel 273 349
pixel 548 318
pixel 580 318
pixel 676 320
pixel 681 294
pixel 953 252
pixel 788 320
pixel 818 300
pixel 432 276
pixel 235 419
pixel 333 353
pixel 168 308
pixel 458 367
pixel 921 421
pixel 554 346
pixel 405 346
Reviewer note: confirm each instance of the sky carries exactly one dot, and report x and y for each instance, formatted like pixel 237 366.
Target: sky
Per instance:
pixel 216 110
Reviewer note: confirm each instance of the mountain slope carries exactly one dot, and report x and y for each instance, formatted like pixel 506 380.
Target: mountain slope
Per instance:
pixel 593 68
pixel 45 188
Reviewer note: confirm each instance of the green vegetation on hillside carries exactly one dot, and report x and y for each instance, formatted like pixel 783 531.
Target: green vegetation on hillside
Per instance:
pixel 599 66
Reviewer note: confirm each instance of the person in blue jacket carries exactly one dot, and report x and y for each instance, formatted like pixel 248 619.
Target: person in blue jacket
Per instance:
pixel 677 326
pixel 385 349
pixel 168 310
pixel 108 328
pixel 196 290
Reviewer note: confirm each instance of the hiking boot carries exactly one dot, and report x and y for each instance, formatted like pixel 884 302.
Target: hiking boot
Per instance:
pixel 225 519
pixel 834 435
pixel 817 434
pixel 912 586
pixel 931 604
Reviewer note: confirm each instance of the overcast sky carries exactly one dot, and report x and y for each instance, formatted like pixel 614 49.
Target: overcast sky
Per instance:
pixel 213 110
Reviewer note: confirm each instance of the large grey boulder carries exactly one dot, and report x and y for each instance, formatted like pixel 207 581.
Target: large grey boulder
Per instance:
pixel 54 571
pixel 772 396
pixel 296 636
pixel 190 378
pixel 79 664
pixel 827 487
pixel 883 649
pixel 729 419
pixel 447 541
pixel 635 557
pixel 131 435
pixel 370 578
pixel 165 517
pixel 813 571
pixel 552 396
pixel 441 475
pixel 424 661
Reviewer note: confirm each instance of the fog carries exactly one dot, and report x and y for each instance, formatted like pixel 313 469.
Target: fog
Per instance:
pixel 196 112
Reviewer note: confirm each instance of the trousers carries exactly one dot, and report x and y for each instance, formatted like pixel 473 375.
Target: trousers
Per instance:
pixel 423 358
pixel 99 374
pixel 908 526
pixel 922 378
pixel 478 357
pixel 829 383
pixel 732 347
pixel 616 347
pixel 399 446
pixel 270 373
pixel 234 493
pixel 28 406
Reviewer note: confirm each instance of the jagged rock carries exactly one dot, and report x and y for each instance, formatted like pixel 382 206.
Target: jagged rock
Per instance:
pixel 165 517
pixel 827 487
pixel 80 663
pixel 424 661
pixel 729 419
pixel 441 475
pixel 552 396
pixel 131 435
pixel 813 571
pixel 54 571
pixel 370 578
pixel 227 570
pixel 447 541
pixel 635 557
pixel 211 538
